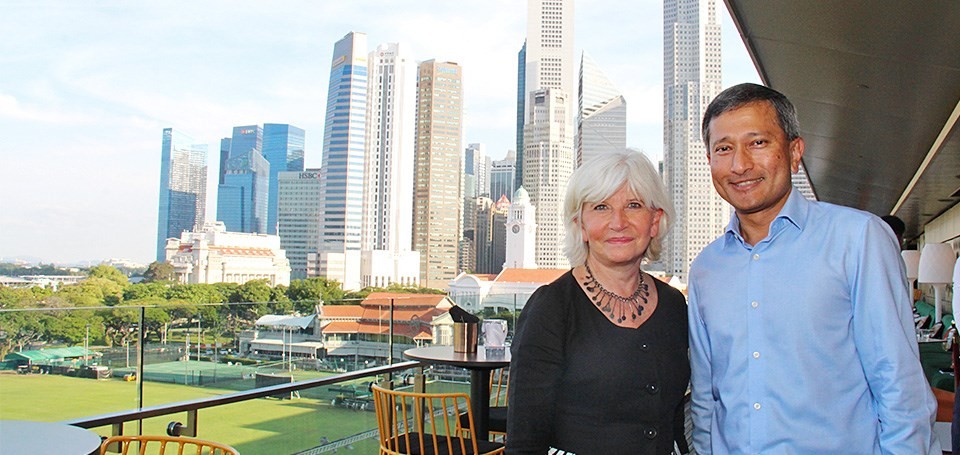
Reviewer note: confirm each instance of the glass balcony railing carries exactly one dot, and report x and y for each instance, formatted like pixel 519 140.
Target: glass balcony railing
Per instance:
pixel 262 389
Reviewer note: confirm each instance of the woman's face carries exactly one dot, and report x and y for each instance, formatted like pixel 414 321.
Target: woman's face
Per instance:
pixel 618 229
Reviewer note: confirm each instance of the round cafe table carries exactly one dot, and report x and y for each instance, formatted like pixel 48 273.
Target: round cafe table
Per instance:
pixel 479 365
pixel 18 437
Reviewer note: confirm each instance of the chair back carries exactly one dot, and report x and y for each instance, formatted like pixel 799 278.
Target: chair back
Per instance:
pixel 157 444
pixel 425 423
pixel 499 386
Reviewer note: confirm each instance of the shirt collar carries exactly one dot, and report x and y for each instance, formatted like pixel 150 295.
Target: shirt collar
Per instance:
pixel 794 211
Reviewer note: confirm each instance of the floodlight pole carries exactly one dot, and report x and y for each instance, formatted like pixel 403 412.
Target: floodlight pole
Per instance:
pixel 86 347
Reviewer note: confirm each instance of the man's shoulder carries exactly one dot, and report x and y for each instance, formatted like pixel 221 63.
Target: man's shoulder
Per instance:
pixel 710 253
pixel 838 218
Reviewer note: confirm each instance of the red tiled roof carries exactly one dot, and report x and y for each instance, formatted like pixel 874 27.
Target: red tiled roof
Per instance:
pixel 529 275
pixel 404 299
pixel 407 330
pixel 342 311
pixel 341 327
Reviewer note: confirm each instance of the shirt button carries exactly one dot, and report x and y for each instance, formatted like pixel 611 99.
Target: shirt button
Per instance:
pixel 652 389
pixel 644 347
pixel 650 433
pixel 756 406
pixel 756 257
pixel 754 303
pixel 756 355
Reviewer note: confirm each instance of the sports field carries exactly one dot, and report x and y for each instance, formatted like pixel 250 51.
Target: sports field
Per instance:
pixel 262 426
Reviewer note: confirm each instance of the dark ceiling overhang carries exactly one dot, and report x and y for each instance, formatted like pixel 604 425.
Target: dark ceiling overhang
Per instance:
pixel 877 89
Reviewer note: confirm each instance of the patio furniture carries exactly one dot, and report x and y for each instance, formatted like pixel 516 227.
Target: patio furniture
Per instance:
pixel 426 423
pixel 149 444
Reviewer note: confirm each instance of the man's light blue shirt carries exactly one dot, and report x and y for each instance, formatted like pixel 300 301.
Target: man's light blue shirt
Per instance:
pixel 804 343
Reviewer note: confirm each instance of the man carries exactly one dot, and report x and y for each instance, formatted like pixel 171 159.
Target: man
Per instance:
pixel 897 225
pixel 801 340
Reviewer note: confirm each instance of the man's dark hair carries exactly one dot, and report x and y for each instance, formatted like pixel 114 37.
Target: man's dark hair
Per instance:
pixel 740 95
pixel 896 224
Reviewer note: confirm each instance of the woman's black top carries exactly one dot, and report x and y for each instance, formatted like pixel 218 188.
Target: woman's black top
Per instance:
pixel 584 385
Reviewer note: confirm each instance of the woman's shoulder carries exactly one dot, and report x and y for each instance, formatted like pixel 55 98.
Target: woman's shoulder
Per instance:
pixel 559 290
pixel 669 295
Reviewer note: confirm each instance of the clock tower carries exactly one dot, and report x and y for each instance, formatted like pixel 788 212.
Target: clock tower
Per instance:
pixel 521 233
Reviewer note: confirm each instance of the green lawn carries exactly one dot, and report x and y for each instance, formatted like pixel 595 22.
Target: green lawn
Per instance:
pixel 263 426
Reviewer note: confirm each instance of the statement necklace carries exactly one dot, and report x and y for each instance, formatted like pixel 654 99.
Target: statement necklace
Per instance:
pixel 616 307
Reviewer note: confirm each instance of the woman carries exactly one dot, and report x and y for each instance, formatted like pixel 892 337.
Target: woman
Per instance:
pixel 600 360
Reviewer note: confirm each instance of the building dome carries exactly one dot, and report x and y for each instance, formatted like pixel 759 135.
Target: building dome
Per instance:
pixel 521 195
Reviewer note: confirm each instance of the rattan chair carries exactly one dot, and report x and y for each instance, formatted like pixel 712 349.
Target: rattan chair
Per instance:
pixel 426 424
pixel 156 444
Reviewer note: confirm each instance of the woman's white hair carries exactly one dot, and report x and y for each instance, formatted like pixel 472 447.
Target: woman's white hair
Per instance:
pixel 600 177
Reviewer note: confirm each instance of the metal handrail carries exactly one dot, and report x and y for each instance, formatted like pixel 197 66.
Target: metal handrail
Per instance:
pixel 119 418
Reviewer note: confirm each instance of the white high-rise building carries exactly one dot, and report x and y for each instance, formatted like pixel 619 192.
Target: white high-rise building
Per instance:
pixel 386 255
pixel 548 163
pixel 691 79
pixel 521 233
pixel 344 133
pixel 549 60
pixel 602 117
pixel 546 159
pixel 298 217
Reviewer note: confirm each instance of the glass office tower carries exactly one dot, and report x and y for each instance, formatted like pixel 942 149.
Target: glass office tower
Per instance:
pixel 183 187
pixel 283 149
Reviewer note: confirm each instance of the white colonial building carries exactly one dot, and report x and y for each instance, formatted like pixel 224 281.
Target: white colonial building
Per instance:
pixel 214 255
pixel 508 290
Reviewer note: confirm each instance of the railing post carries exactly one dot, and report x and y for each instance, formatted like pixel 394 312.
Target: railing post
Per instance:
pixel 140 357
pixel 390 342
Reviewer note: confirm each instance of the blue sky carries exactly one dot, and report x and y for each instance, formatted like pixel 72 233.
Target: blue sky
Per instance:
pixel 87 87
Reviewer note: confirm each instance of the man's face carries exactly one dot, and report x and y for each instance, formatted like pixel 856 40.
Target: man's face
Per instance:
pixel 751 160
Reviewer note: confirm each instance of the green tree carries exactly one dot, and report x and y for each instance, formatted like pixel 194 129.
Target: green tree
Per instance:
pixel 110 273
pixel 146 290
pixel 158 271
pixel 279 302
pixel 17 328
pixel 195 293
pixel 306 294
pixel 70 326
pixel 92 291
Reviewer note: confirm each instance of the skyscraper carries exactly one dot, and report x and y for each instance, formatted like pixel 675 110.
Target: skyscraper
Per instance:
pixel 548 157
pixel 183 187
pixel 341 177
pixel 602 117
pixel 548 132
pixel 491 234
pixel 386 255
pixel 438 195
pixel 521 118
pixel 283 149
pixel 475 162
pixel 548 51
pixel 298 217
pixel 242 198
pixel 692 78
pixel 243 194
pixel 503 176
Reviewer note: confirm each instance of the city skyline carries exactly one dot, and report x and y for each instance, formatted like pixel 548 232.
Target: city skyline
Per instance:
pixel 83 116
